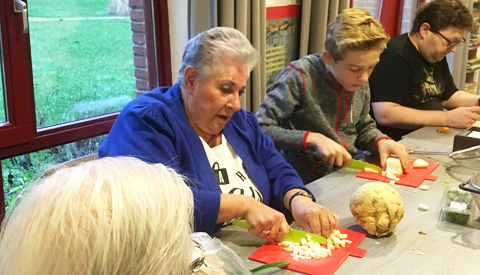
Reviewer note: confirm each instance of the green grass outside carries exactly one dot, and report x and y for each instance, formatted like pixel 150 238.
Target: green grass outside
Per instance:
pixel 81 68
pixel 81 61
pixel 68 8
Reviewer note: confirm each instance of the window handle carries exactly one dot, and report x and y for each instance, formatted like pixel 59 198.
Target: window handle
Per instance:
pixel 21 7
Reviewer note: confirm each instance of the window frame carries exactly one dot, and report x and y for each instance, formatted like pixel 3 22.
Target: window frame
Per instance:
pixel 19 105
pixel 20 135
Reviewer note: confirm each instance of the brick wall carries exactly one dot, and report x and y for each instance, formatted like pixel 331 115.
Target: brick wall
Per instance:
pixel 139 46
pixel 368 5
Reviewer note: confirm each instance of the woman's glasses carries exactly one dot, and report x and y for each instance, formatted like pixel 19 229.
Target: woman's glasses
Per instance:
pixel 451 44
pixel 200 261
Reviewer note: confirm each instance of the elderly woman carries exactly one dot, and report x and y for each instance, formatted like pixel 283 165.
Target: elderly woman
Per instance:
pixel 91 219
pixel 198 127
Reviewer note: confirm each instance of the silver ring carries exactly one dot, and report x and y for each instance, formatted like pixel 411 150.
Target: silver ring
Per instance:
pixel 266 231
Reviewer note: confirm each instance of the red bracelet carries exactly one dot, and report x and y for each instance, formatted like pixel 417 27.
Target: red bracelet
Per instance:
pixel 380 138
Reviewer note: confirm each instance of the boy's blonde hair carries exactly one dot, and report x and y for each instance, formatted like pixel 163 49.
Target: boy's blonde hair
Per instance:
pixel 354 29
pixel 107 216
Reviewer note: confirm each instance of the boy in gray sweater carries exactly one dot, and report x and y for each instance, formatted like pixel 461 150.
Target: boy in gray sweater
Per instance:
pixel 318 110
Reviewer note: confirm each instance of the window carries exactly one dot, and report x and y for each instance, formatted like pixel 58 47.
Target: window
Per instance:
pixel 65 78
pixel 82 60
pixel 20 171
pixel 3 118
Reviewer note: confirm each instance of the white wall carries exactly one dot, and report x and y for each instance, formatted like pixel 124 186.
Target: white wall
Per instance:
pixel 368 5
pixel 409 7
pixel 276 3
pixel 178 27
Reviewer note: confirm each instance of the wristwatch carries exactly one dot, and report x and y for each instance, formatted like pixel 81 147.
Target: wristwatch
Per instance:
pixel 299 193
pixel 478 103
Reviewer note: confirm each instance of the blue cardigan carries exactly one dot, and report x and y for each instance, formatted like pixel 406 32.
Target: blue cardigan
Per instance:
pixel 155 128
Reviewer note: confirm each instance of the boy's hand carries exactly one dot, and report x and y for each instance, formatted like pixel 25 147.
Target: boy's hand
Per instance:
pixel 388 147
pixel 331 152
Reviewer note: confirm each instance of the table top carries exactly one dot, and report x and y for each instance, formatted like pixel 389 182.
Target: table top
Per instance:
pixel 445 249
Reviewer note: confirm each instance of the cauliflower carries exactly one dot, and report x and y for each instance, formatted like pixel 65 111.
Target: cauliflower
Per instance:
pixel 377 207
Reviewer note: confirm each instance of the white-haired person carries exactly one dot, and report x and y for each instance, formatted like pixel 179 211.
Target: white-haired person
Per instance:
pixel 107 216
pixel 198 128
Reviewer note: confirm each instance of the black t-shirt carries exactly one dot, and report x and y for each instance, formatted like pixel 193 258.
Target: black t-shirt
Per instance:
pixel 404 77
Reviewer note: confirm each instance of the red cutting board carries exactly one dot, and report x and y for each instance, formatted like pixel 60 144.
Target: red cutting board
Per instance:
pixel 272 252
pixel 413 178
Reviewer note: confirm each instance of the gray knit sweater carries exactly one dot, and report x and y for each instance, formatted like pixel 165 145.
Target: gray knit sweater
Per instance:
pixel 306 97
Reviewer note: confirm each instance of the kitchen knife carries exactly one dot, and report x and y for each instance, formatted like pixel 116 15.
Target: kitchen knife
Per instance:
pixel 293 235
pixel 428 152
pixel 361 165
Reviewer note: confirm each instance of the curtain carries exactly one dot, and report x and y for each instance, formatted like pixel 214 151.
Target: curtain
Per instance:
pixel 390 14
pixel 250 17
pixel 316 15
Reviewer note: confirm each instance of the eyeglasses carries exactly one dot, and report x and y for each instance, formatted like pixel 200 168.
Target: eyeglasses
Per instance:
pixel 451 44
pixel 198 262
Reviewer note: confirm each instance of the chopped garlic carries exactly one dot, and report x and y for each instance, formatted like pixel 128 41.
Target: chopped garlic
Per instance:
pixel 420 163
pixel 394 168
pixel 423 187
pixel 423 207
pixel 308 249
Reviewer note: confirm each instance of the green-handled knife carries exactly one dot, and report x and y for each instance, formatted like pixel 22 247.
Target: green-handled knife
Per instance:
pixel 361 165
pixel 293 235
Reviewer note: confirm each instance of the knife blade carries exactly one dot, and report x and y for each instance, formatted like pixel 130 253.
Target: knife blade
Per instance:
pixel 361 165
pixel 428 152
pixel 293 235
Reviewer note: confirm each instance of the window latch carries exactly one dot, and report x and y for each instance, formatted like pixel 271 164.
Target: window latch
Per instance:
pixel 21 7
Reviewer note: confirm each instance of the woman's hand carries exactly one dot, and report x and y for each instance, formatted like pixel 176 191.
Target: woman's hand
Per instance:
pixel 266 222
pixel 313 217
pixel 332 153
pixel 388 147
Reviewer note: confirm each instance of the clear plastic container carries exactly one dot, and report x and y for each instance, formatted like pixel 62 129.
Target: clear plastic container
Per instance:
pixel 457 206
pixel 473 186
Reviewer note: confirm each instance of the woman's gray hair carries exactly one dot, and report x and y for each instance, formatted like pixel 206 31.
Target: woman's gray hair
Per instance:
pixel 106 216
pixel 207 49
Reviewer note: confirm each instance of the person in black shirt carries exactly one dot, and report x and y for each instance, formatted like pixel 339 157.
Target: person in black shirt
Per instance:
pixel 412 86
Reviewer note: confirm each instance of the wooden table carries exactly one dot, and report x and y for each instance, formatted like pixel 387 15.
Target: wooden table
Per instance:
pixel 448 248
